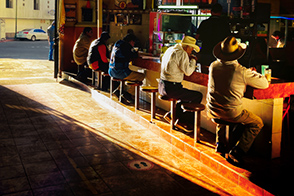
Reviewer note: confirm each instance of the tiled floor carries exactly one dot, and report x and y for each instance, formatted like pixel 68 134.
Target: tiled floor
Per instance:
pixel 56 140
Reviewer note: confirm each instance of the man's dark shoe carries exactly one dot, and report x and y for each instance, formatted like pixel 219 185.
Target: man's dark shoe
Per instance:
pixel 221 149
pixel 235 156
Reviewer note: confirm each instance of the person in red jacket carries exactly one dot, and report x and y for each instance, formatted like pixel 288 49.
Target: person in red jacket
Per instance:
pixel 98 57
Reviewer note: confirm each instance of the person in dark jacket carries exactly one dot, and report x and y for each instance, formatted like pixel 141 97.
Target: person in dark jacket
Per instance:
pixel 122 53
pixel 98 56
pixel 211 31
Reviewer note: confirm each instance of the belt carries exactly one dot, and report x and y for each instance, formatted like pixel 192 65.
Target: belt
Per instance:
pixel 173 83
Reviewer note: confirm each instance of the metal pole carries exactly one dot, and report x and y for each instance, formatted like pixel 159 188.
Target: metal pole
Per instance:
pixel 56 40
pixel 15 19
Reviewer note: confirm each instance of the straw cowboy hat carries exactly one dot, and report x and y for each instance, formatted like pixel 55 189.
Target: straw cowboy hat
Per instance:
pixel 229 49
pixel 190 41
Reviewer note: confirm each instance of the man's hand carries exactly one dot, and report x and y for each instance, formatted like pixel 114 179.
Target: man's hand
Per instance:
pixel 252 68
pixel 193 57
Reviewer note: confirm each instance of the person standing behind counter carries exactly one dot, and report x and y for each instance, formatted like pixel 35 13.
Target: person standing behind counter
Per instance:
pixel 177 62
pixel 227 83
pixel 211 31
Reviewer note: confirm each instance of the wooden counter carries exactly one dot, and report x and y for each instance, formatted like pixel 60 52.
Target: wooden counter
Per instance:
pixel 266 103
pixel 277 89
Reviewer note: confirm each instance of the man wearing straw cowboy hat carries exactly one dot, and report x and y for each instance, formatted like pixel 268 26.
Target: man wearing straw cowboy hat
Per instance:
pixel 226 86
pixel 177 61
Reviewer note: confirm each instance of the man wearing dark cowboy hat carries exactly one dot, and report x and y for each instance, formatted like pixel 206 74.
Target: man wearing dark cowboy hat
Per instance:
pixel 177 62
pixel 226 86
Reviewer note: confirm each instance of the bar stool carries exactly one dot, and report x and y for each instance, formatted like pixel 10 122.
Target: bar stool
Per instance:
pixel 196 108
pixel 137 85
pixel 153 91
pixel 100 76
pixel 227 133
pixel 121 83
pixel 173 103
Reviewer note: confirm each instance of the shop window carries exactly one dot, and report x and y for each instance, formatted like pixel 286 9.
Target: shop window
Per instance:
pixel 36 4
pixel 8 3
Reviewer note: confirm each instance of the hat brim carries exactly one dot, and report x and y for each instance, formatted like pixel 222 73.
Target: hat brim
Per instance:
pixel 217 52
pixel 196 48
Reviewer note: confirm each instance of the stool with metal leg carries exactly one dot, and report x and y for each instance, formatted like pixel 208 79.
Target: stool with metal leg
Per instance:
pixel 137 85
pixel 196 108
pixel 121 83
pixel 153 91
pixel 173 103
pixel 228 125
pixel 100 75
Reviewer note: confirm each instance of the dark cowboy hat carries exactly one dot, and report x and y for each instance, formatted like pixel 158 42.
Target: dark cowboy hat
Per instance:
pixel 229 49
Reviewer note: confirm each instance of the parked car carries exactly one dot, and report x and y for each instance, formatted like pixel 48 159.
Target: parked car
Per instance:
pixel 32 34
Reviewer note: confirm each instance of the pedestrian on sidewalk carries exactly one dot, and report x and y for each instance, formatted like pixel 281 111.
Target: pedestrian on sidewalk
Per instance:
pixel 51 36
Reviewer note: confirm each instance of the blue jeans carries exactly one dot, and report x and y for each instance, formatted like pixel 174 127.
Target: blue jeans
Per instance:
pixel 50 56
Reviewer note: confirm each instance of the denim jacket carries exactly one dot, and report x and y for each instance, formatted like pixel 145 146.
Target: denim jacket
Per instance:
pixel 121 55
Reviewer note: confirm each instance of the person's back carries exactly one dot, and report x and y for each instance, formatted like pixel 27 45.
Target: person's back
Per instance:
pixel 80 53
pixel 81 47
pixel 98 54
pixel 227 83
pixel 121 54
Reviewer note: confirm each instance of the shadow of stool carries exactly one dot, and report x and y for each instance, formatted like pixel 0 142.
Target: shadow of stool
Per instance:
pixel 137 85
pixel 173 103
pixel 121 85
pixel 153 91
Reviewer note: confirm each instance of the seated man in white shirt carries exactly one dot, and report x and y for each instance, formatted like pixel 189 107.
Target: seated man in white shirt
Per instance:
pixel 177 61
pixel 226 86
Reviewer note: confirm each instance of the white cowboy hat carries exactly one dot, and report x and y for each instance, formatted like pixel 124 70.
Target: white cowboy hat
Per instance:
pixel 190 41
pixel 229 49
